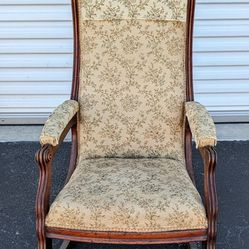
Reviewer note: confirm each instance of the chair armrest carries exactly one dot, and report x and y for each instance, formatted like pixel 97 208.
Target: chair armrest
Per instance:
pixel 54 131
pixel 201 124
pixel 58 122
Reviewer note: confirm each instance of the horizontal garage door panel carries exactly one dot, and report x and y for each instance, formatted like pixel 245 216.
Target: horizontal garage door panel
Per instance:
pixel 36 44
pixel 221 58
pixel 33 74
pixel 36 60
pixel 35 30
pixel 221 87
pixel 33 88
pixel 30 102
pixel 35 12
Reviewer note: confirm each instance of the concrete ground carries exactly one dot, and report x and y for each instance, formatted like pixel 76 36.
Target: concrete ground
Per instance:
pixel 18 133
pixel 18 183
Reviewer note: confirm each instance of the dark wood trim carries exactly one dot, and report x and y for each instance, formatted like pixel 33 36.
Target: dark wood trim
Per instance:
pixel 74 151
pixel 43 157
pixel 209 156
pixel 189 50
pixel 188 151
pixel 71 124
pixel 127 238
pixel 76 62
pixel 189 85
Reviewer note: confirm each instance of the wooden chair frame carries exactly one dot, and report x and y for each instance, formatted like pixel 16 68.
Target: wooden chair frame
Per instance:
pixel 45 155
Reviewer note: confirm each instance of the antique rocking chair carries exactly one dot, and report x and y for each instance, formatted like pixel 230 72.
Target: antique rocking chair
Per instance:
pixel 131 113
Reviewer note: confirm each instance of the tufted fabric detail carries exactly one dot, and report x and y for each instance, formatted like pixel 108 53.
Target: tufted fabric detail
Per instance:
pixel 133 9
pixel 201 124
pixel 57 122
pixel 129 195
pixel 132 89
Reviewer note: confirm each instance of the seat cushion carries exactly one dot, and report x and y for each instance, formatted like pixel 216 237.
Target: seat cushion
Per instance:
pixel 128 195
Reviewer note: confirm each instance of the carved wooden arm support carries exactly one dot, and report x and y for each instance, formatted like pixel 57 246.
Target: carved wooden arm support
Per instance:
pixel 209 157
pixel 44 158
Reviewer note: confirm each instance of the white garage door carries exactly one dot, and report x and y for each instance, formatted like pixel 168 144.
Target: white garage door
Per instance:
pixel 36 58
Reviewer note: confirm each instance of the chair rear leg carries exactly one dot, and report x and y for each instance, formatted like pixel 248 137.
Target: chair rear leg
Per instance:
pixel 212 233
pixel 65 244
pixel 45 243
pixel 210 244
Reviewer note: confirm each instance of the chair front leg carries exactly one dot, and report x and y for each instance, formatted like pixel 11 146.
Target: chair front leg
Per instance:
pixel 43 158
pixel 210 157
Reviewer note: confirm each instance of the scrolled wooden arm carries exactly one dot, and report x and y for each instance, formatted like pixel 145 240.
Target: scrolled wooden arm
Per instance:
pixel 209 157
pixel 44 157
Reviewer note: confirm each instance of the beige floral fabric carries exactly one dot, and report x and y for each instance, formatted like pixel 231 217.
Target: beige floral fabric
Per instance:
pixel 57 122
pixel 201 124
pixel 132 88
pixel 131 99
pixel 128 195
pixel 133 9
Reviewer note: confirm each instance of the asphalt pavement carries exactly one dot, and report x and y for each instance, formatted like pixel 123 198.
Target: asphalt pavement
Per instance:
pixel 18 183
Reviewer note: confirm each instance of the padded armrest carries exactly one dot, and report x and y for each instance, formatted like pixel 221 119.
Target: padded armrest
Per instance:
pixel 57 122
pixel 201 124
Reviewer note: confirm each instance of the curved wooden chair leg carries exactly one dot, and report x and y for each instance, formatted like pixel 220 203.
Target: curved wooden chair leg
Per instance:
pixel 210 244
pixel 45 243
pixel 210 158
pixel 211 241
pixel 43 158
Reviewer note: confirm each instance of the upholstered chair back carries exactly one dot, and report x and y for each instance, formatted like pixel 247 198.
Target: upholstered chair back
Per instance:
pixel 132 78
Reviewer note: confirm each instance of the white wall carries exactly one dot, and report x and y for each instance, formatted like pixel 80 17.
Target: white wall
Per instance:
pixel 221 58
pixel 36 58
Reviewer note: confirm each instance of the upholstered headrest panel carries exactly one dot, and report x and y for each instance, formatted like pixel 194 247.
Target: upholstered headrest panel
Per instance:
pixel 132 78
pixel 133 9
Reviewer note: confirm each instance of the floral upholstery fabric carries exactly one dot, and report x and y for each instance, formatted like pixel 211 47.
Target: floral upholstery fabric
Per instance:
pixel 132 79
pixel 201 124
pixel 58 121
pixel 135 9
pixel 130 195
